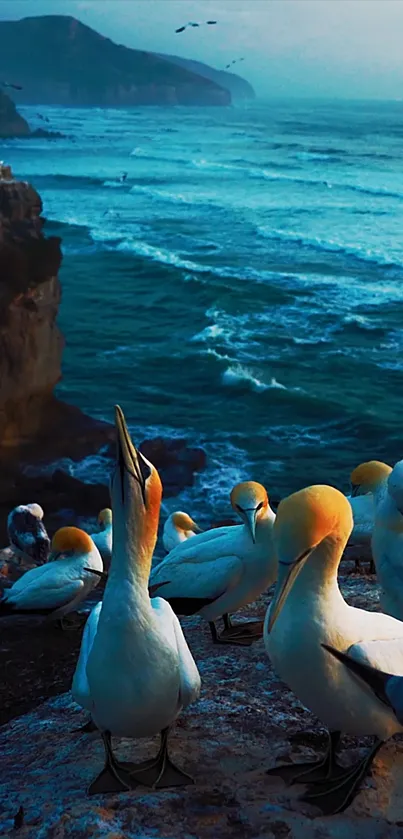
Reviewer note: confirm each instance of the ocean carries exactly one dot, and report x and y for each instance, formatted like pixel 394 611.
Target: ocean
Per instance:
pixel 241 287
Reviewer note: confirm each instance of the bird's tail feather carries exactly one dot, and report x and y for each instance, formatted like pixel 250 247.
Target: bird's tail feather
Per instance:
pixel 377 680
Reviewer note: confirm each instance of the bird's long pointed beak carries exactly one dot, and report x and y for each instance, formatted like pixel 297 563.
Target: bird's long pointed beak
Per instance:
pixel 127 455
pixel 196 528
pixel 250 521
pixel 288 573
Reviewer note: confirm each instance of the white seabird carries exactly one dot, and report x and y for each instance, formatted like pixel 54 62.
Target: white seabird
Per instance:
pixel 178 528
pixel 223 569
pixel 368 487
pixel 387 544
pixel 308 611
pixel 27 533
pixel 135 672
pixel 103 538
pixel 59 586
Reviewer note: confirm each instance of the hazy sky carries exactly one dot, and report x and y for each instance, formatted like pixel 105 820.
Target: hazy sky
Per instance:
pixel 342 48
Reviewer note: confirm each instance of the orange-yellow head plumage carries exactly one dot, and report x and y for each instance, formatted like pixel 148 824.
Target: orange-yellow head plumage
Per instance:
pixel 307 517
pixel 248 495
pixel 369 475
pixel 105 517
pixel 72 540
pixel 182 521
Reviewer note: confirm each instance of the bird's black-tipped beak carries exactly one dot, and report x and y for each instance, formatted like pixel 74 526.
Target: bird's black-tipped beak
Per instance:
pixel 129 460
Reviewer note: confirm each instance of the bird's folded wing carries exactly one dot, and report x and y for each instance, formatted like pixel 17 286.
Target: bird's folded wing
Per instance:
pixel 385 654
pixel 80 688
pixel 188 673
pixel 208 578
pixel 45 593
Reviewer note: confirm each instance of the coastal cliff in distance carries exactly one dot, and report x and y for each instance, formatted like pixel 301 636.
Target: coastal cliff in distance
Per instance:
pixel 238 87
pixel 58 60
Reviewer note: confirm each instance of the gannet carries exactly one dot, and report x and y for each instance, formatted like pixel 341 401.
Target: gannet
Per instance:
pixel 387 544
pixel 27 533
pixel 103 539
pixel 59 586
pixel 135 672
pixel 223 569
pixel 307 611
pixel 368 486
pixel 177 528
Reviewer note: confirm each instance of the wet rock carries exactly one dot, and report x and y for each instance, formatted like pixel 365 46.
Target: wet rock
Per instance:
pixel 246 721
pixel 176 462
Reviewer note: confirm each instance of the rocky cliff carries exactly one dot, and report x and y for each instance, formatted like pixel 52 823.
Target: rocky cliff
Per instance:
pixel 12 124
pixel 58 60
pixel 238 87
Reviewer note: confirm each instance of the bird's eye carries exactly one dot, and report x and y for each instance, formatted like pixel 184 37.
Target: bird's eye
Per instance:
pixel 259 506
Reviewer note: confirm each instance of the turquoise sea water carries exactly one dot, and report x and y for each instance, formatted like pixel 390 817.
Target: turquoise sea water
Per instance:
pixel 243 287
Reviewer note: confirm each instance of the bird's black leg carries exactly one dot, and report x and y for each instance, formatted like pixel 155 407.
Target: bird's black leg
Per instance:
pixel 236 639
pixel 311 771
pixel 160 771
pixel 114 777
pixel 334 795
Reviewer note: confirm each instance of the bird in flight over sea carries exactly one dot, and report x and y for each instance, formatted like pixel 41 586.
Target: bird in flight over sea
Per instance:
pixel 10 84
pixel 235 61
pixel 207 23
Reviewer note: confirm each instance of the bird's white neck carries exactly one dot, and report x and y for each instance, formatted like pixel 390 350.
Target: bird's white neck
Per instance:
pixel 318 577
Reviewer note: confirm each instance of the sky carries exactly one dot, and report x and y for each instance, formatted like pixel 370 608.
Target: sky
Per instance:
pixel 302 48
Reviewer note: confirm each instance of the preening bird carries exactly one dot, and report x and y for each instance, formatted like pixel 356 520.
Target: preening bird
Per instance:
pixel 309 612
pixel 135 672
pixel 59 586
pixel 103 539
pixel 223 569
pixel 368 487
pixel 178 528
pixel 27 533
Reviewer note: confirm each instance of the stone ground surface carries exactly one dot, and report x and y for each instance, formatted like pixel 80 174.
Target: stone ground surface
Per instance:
pixel 245 721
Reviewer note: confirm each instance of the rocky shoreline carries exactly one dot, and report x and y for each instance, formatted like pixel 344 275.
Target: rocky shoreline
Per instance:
pixel 36 429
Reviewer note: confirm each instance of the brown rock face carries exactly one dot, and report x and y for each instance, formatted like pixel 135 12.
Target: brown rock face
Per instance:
pixel 11 123
pixel 31 344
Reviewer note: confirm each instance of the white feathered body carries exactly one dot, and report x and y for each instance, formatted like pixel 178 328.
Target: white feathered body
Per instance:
pixel 103 541
pixel 312 616
pixel 135 672
pixel 55 585
pixel 223 565
pixel 387 549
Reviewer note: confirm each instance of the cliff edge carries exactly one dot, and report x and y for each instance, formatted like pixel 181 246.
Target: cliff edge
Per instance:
pixel 59 60
pixel 12 124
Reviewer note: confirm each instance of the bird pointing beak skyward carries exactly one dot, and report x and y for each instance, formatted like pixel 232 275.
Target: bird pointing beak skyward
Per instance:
pixel 130 462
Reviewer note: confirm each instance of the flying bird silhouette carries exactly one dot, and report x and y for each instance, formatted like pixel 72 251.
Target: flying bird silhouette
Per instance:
pixel 207 23
pixel 235 61
pixel 10 84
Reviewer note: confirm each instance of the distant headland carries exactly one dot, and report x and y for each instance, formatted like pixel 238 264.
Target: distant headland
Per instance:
pixel 56 59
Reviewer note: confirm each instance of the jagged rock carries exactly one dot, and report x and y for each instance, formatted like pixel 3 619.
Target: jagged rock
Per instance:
pixel 176 462
pixel 12 124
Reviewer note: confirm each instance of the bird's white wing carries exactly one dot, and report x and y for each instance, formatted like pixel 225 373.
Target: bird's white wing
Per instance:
pixel 216 533
pixel 201 574
pixel 48 587
pixel 80 688
pixel 190 681
pixel 363 515
pixel 385 654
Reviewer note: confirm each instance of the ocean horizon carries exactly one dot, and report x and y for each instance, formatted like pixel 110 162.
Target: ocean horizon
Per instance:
pixel 232 276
